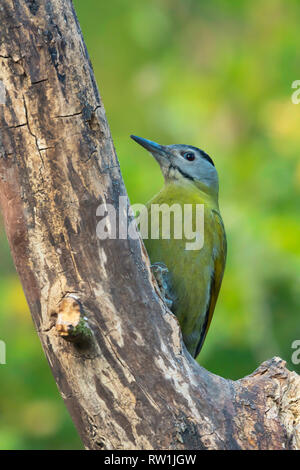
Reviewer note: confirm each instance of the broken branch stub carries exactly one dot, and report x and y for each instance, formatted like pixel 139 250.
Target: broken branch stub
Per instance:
pixel 72 323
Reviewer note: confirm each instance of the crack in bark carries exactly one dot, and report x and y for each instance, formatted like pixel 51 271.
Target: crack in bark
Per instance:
pixel 78 113
pixel 47 148
pixel 13 127
pixel 30 131
pixel 68 115
pixel 40 81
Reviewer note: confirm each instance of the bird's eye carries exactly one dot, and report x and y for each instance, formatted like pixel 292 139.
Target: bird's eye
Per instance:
pixel 189 156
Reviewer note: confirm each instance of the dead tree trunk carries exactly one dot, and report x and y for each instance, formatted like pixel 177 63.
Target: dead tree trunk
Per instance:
pixel 125 376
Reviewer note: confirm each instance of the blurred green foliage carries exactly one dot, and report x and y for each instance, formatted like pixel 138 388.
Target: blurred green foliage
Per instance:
pixel 216 75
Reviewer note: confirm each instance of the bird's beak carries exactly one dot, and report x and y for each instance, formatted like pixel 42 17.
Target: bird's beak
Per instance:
pixel 158 151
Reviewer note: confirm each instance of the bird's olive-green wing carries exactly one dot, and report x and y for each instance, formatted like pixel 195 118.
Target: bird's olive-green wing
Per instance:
pixel 217 276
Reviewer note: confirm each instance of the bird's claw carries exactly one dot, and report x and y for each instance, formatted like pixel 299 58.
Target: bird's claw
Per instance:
pixel 161 274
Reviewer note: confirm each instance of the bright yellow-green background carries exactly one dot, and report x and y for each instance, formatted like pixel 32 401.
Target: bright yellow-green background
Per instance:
pixel 218 75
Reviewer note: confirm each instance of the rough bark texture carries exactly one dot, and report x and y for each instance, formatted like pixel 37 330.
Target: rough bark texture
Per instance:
pixel 131 385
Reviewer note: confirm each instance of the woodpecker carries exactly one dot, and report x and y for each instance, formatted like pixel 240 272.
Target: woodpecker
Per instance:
pixel 190 279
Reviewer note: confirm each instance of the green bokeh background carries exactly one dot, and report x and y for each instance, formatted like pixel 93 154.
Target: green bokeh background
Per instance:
pixel 216 75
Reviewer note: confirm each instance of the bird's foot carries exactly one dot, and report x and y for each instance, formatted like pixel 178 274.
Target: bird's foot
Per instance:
pixel 162 276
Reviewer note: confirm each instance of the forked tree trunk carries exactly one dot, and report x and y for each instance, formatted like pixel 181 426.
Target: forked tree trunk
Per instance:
pixel 125 375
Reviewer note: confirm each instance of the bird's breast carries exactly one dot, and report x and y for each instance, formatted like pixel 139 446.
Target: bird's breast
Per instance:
pixel 191 270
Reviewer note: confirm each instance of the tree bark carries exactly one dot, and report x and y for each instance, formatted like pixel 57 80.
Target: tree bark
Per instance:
pixel 124 374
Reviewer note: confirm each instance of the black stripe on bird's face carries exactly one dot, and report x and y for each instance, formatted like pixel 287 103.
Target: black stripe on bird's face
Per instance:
pixel 185 175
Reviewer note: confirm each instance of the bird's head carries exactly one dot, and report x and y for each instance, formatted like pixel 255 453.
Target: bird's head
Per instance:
pixel 184 163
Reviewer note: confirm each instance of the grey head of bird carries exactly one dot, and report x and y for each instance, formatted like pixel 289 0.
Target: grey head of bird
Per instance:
pixel 183 163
